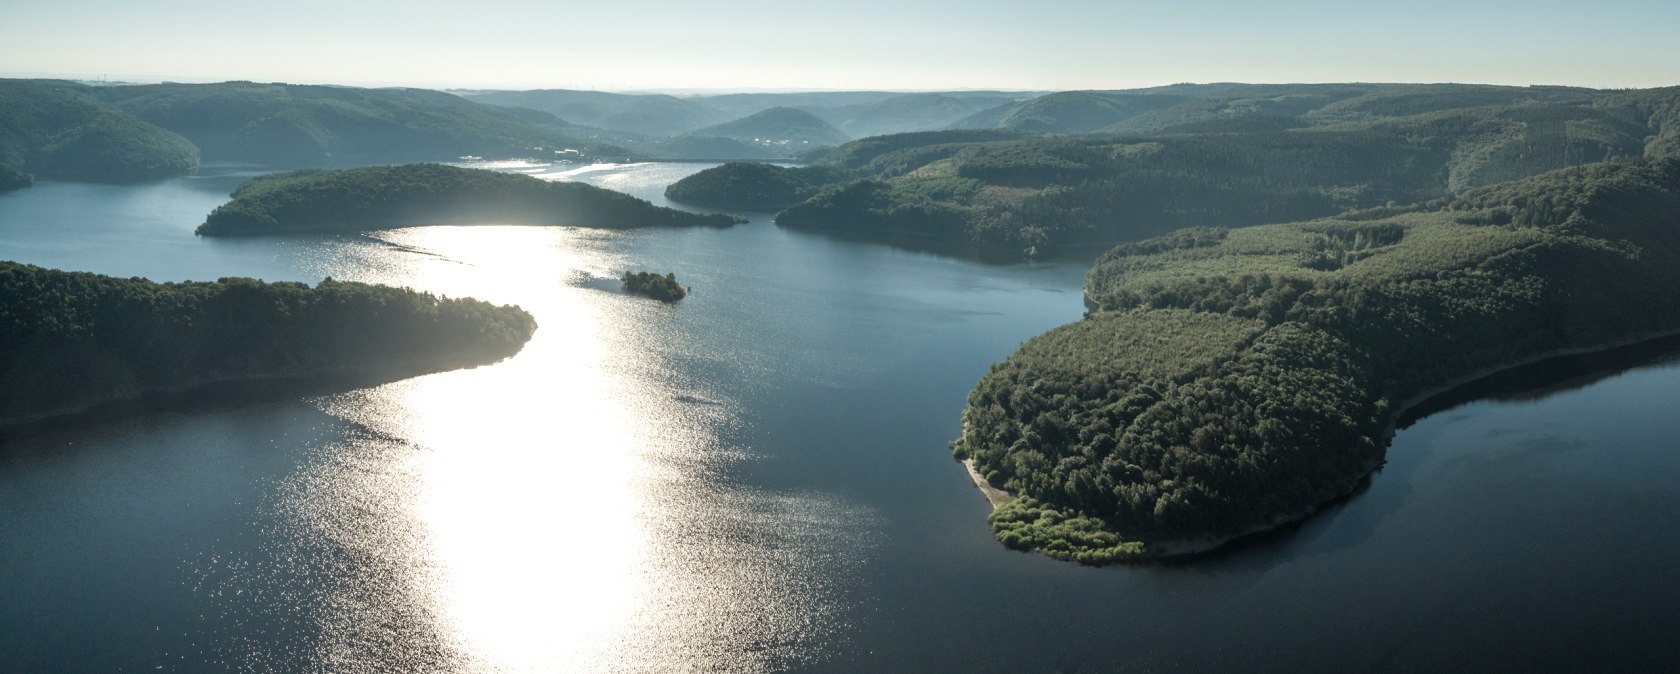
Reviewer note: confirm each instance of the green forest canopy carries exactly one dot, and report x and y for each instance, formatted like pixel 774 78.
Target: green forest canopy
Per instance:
pixel 1226 155
pixel 1234 379
pixel 71 339
pixel 60 134
pixel 382 197
pixel 652 284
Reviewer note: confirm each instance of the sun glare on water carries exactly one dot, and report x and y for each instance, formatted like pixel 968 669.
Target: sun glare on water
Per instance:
pixel 557 511
pixel 501 450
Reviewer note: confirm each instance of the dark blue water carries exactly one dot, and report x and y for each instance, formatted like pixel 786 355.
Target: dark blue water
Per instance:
pixel 757 479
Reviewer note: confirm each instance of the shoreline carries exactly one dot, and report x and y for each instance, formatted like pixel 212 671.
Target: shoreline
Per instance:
pixel 996 497
pixel 122 403
pixel 1156 550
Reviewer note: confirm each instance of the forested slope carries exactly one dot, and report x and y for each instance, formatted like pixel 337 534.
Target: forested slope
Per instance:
pixel 54 133
pixel 1199 155
pixel 72 340
pixel 294 125
pixel 14 179
pixel 1235 379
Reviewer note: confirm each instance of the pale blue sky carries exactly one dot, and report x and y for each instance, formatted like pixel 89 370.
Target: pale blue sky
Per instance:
pixel 874 44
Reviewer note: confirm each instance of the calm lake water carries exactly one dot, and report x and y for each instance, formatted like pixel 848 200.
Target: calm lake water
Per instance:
pixel 758 479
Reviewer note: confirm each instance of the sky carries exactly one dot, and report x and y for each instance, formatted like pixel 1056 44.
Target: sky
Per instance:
pixel 741 45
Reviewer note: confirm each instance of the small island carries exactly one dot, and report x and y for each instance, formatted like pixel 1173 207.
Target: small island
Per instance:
pixel 1230 381
pixel 73 341
pixel 386 197
pixel 650 284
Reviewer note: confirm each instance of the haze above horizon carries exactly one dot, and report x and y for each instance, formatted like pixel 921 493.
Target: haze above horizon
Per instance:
pixel 743 45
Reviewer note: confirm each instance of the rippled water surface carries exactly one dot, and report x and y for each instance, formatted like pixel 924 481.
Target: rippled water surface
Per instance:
pixel 753 479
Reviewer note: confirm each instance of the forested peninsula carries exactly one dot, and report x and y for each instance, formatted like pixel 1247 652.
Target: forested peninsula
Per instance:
pixel 384 197
pixel 1084 169
pixel 1232 380
pixel 72 341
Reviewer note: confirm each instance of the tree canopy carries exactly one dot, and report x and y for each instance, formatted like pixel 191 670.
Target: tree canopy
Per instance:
pixel 1234 379
pixel 382 197
pixel 69 339
pixel 1146 162
pixel 650 284
pixel 53 130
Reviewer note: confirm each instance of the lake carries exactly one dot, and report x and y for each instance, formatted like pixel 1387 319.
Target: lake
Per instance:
pixel 758 479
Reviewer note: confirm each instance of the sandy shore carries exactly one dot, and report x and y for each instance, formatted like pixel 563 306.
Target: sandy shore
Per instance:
pixel 996 497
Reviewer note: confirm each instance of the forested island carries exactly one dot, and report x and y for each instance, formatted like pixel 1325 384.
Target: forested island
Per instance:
pixel 71 341
pixel 1083 169
pixel 650 284
pixel 384 197
pixel 1235 379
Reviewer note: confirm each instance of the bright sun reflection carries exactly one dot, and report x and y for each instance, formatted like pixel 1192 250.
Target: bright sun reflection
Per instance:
pixel 560 511
pixel 509 447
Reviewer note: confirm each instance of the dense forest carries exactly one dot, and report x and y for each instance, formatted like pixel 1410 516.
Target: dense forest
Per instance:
pixel 71 340
pixel 59 134
pixel 13 179
pixel 752 187
pixel 651 284
pixel 1233 379
pixel 382 197
pixel 293 125
pixel 1147 162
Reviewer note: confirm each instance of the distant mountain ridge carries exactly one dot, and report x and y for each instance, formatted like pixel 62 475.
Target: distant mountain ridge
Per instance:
pixel 646 114
pixel 661 125
pixel 291 125
pixel 778 126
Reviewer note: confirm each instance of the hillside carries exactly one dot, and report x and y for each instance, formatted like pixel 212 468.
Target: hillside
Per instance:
pixel 856 113
pixel 1207 107
pixel 383 197
pixel 749 186
pixel 14 179
pixel 752 187
pixel 646 114
pixel 1236 379
pixel 909 113
pixel 1241 155
pixel 71 341
pixel 1070 111
pixel 778 126
pixel 49 130
pixel 290 125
